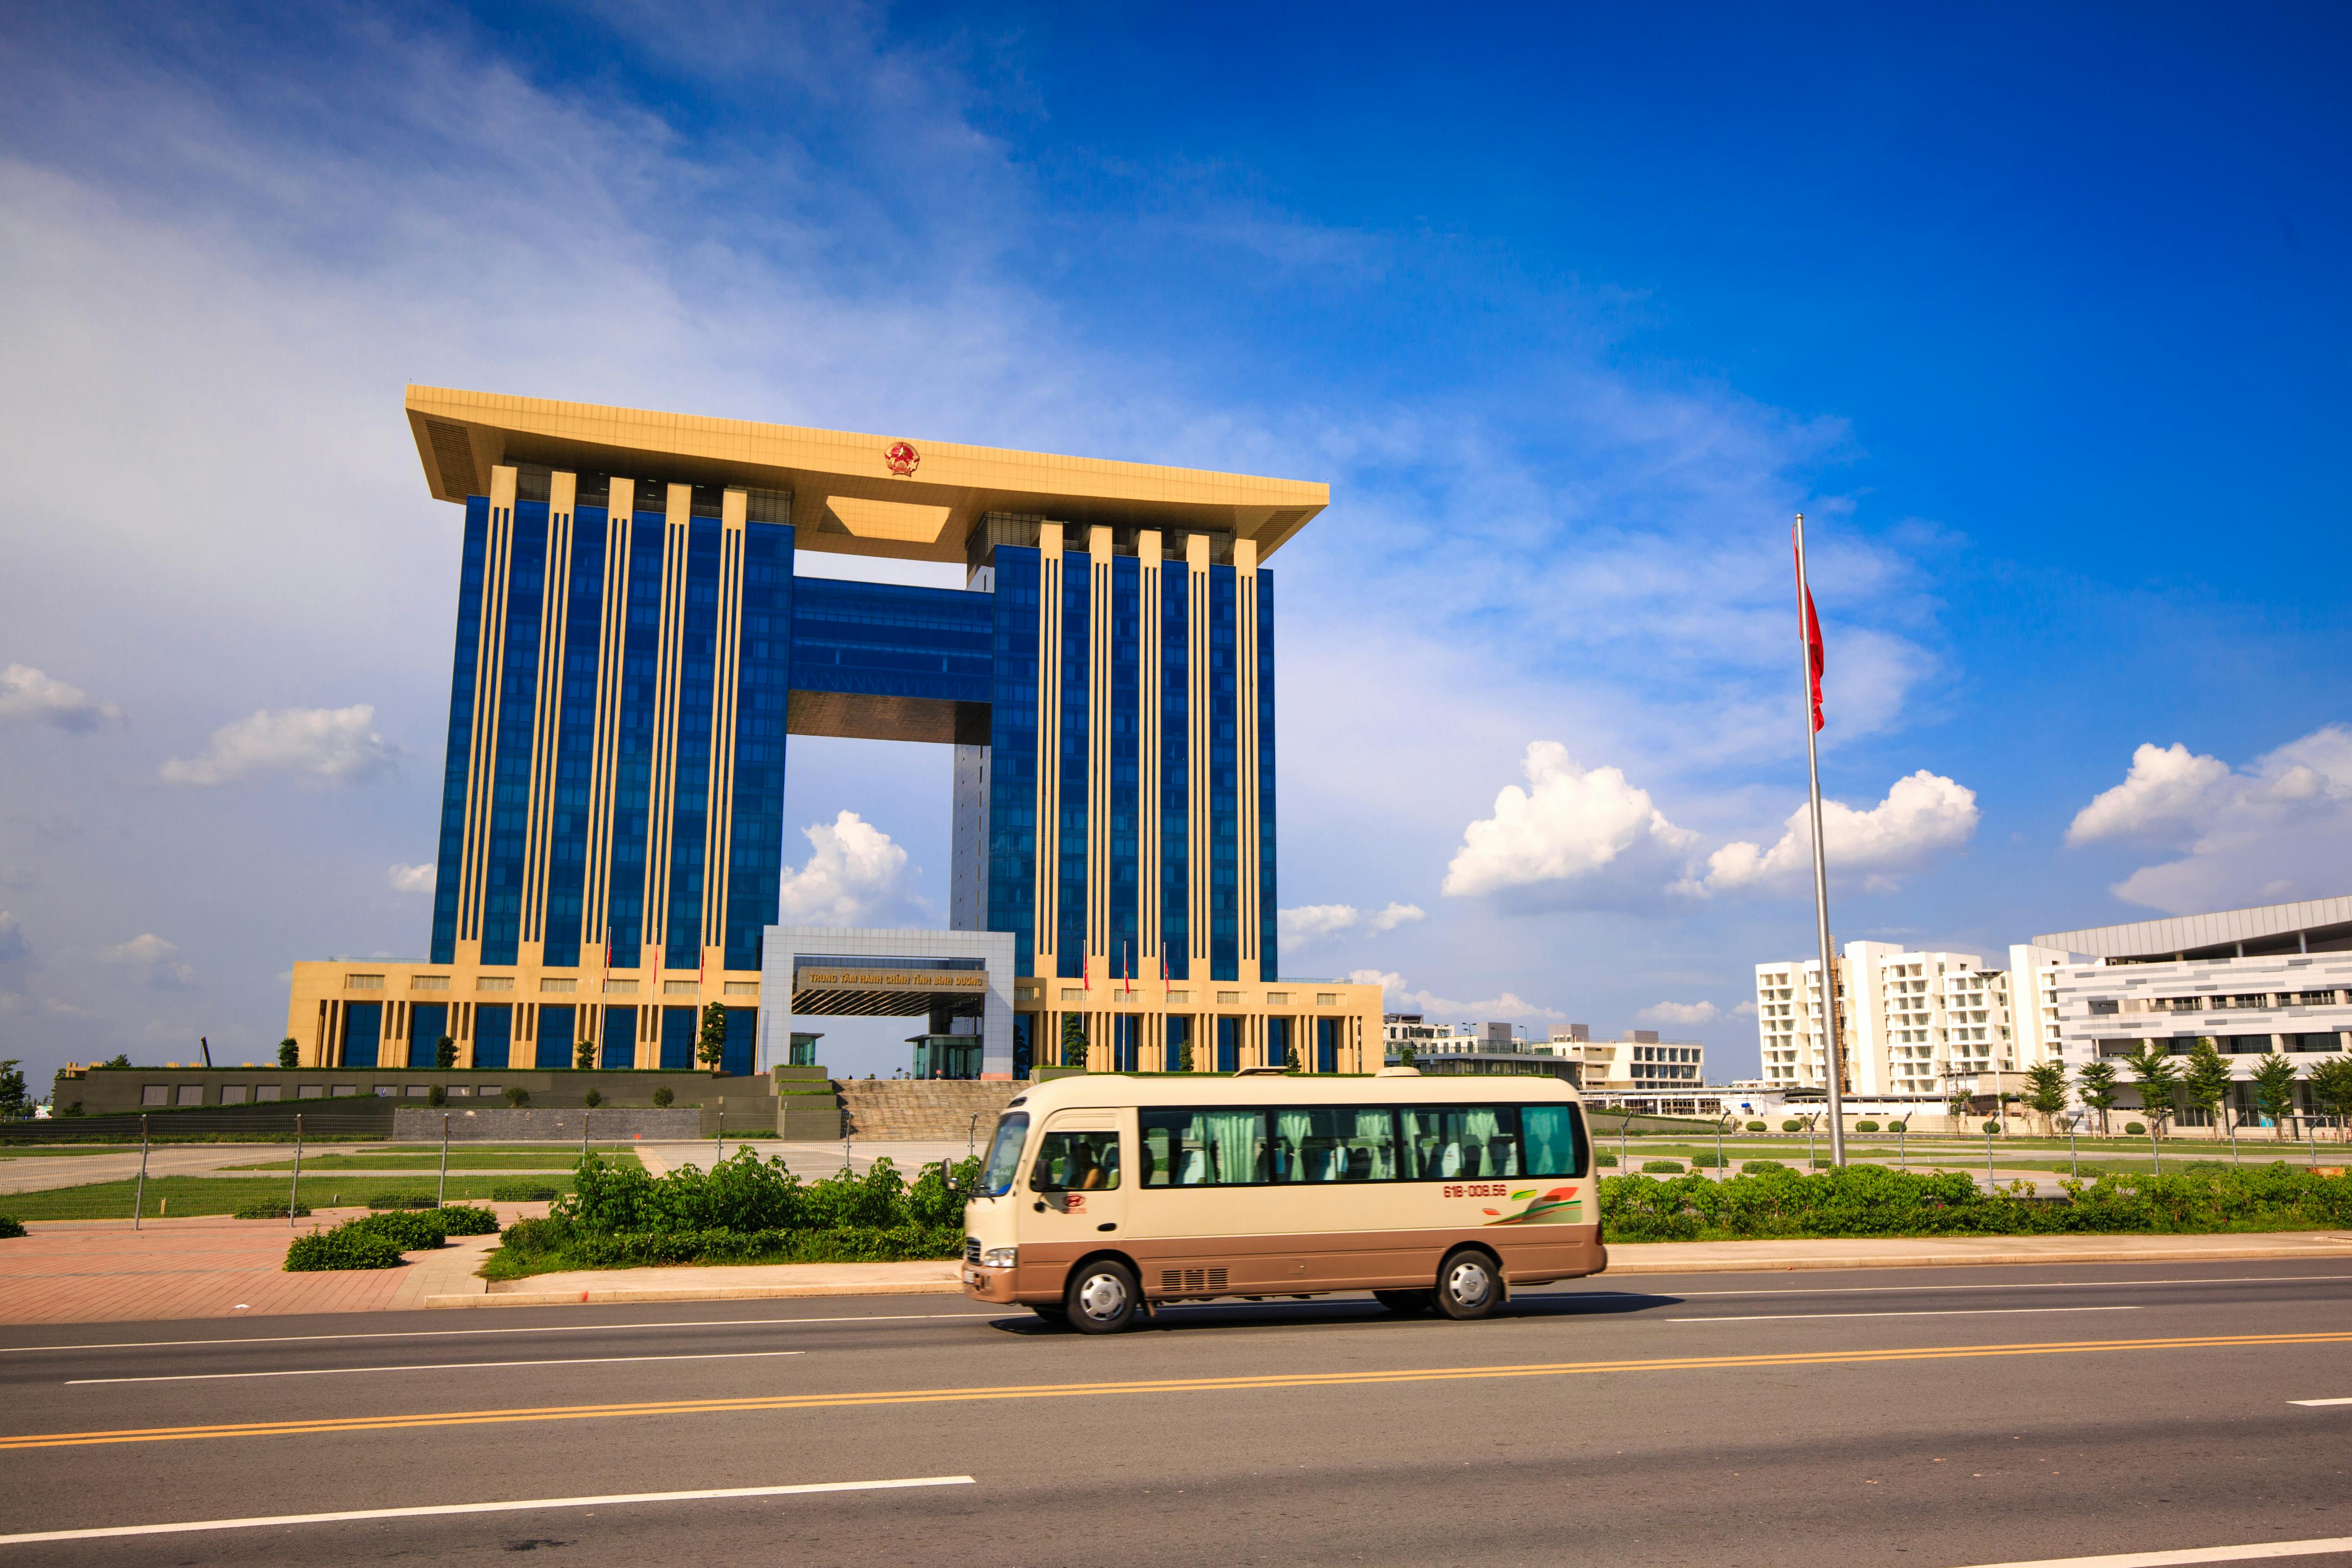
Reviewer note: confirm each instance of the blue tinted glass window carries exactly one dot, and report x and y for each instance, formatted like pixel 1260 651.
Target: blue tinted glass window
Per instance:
pixel 362 1031
pixel 763 714
pixel 518 677
pixel 493 1031
pixel 1012 753
pixel 691 782
pixel 576 731
pixel 456 760
pixel 1225 781
pixel 1175 779
pixel 736 1057
pixel 1268 967
pixel 890 639
pixel 1070 835
pixel 554 1038
pixel 618 1048
pixel 427 1021
pixel 677 1030
pixel 1124 787
pixel 634 744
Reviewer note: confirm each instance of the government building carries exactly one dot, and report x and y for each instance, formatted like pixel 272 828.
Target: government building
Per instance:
pixel 635 648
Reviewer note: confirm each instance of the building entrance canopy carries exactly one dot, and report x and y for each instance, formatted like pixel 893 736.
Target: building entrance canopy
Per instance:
pixel 889 989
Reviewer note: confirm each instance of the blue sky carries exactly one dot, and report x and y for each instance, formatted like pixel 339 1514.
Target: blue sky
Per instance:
pixel 2041 316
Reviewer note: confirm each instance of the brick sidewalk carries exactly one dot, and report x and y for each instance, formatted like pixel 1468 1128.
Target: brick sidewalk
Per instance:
pixel 103 1272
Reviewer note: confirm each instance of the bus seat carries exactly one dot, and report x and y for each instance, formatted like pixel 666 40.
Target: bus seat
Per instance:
pixel 1359 1165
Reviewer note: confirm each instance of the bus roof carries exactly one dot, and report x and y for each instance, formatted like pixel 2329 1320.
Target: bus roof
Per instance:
pixel 1112 1090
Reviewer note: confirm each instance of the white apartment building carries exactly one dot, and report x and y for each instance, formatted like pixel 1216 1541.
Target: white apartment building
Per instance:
pixel 1638 1063
pixel 1910 1024
pixel 1427 1038
pixel 2274 978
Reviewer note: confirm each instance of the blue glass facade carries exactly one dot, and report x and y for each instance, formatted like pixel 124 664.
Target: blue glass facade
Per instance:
pixel 362 1034
pixel 884 639
pixel 1267 953
pixel 1225 781
pixel 518 698
pixel 618 1048
pixel 554 1036
pixel 677 1030
pixel 1070 824
pixel 567 860
pixel 1012 753
pixel 690 783
pixel 1175 824
pixel 427 1021
pixel 1125 784
pixel 493 1034
pixel 762 712
pixel 633 779
pixel 458 759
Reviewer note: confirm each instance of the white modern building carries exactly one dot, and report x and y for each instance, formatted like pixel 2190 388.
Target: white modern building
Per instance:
pixel 1912 1026
pixel 2254 981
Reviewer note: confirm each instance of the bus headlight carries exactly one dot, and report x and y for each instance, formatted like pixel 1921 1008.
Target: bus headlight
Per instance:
pixel 999 1256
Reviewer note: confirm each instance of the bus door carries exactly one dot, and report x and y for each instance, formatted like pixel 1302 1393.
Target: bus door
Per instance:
pixel 1077 1184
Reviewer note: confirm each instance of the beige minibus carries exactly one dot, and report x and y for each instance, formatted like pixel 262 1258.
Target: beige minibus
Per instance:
pixel 1105 1195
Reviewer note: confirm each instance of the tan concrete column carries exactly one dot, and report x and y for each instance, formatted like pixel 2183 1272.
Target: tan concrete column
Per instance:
pixel 1196 758
pixel 489 654
pixel 667 680
pixel 1049 754
pixel 1251 891
pixel 596 914
pixel 555 619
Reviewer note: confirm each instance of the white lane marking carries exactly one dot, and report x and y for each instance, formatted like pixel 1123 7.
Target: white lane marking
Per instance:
pixel 2004 1285
pixel 1932 1312
pixel 518 1506
pixel 2320 1402
pixel 426 1367
pixel 2191 1554
pixel 444 1333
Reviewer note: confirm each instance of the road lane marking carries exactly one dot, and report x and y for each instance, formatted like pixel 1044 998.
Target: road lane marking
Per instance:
pixel 1923 1312
pixel 431 1510
pixel 427 1419
pixel 2320 1402
pixel 546 1329
pixel 2000 1285
pixel 2191 1554
pixel 426 1367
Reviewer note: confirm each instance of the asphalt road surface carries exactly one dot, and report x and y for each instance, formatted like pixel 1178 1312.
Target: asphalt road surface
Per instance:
pixel 1937 1417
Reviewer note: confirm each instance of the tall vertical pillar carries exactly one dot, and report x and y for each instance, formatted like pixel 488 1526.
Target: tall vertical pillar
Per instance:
pixel 596 920
pixel 1148 758
pixel 667 680
pixel 1246 756
pixel 482 744
pixel 1198 820
pixel 719 825
pixel 554 609
pixel 1049 752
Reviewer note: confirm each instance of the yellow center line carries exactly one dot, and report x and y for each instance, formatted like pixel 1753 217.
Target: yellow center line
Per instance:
pixel 1145 1385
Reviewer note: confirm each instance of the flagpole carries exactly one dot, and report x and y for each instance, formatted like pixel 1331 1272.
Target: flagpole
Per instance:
pixel 1808 630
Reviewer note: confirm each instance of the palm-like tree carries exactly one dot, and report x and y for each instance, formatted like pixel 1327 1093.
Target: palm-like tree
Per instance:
pixel 2094 1086
pixel 2155 1077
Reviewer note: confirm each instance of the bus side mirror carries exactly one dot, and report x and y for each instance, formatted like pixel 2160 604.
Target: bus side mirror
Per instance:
pixel 1041 1178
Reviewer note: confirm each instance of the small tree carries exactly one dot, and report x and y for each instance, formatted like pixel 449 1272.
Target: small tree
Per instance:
pixel 1959 1101
pixel 15 1105
pixel 2156 1078
pixel 2094 1086
pixel 2275 1090
pixel 290 1055
pixel 2207 1081
pixel 1405 1054
pixel 2045 1093
pixel 1073 1041
pixel 2331 1087
pixel 444 1053
pixel 710 1044
pixel 583 1054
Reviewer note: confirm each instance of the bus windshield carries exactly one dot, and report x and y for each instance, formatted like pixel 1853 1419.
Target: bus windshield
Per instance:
pixel 1004 1154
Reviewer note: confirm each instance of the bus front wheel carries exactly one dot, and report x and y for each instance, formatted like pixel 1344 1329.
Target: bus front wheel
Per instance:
pixel 1101 1298
pixel 1468 1285
pixel 1406 1301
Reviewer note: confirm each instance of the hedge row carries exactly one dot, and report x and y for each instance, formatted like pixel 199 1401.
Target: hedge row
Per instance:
pixel 378 1240
pixel 746 1193
pixel 541 1244
pixel 1870 1200
pixel 10 1228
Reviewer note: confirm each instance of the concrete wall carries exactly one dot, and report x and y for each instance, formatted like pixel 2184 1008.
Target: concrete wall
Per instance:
pixel 411 1124
pixel 106 1091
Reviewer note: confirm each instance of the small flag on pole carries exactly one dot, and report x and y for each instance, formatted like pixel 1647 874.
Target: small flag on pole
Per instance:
pixel 1812 635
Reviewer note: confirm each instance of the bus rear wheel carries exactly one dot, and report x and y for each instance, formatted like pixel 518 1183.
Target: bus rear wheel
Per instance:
pixel 1408 1302
pixel 1101 1298
pixel 1468 1285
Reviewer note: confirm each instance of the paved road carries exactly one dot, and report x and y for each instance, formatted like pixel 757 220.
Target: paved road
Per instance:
pixel 1931 1418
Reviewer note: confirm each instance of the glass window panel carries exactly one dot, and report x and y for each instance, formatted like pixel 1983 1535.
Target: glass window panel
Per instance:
pixel 1462 1142
pixel 1334 1143
pixel 1208 1147
pixel 1004 1154
pixel 1077 1162
pixel 1554 1140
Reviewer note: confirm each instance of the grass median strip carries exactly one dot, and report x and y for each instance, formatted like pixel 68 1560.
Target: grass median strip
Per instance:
pixel 177 1197
pixel 429 1419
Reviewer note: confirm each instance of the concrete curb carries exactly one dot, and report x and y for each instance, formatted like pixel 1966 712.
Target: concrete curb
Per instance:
pixel 693 1293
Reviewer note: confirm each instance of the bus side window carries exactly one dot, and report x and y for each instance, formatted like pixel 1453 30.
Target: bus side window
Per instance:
pixel 1077 1162
pixel 1555 1142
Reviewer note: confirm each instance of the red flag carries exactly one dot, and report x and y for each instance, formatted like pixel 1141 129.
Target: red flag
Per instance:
pixel 1811 632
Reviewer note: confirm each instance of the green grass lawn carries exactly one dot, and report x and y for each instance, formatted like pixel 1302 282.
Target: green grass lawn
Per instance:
pixel 184 1196
pixel 466 1160
pixel 21 1153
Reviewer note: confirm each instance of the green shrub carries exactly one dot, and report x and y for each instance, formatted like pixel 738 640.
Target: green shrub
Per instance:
pixel 467 1219
pixel 345 1247
pixel 663 1096
pixel 522 1193
pixel 1662 1167
pixel 271 1211
pixel 400 1201
pixel 1706 1162
pixel 1865 1127
pixel 410 1231
pixel 437 1095
pixel 1792 1125
pixel 10 1229
pixel 2134 1127
pixel 593 1099
pixel 1894 1126
pixel 1603 1157
pixel 1756 1127
pixel 1993 1126
pixel 1760 1167
pixel 517 1095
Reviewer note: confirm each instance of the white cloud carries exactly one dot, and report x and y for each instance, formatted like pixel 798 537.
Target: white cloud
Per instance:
pixel 1680 1013
pixel 411 878
pixel 2164 792
pixel 1923 816
pixel 2279 830
pixel 1572 837
pixel 1307 921
pixel 1509 1007
pixel 316 747
pixel 854 875
pixel 1310 923
pixel 12 945
pixel 1744 1010
pixel 154 959
pixel 28 695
